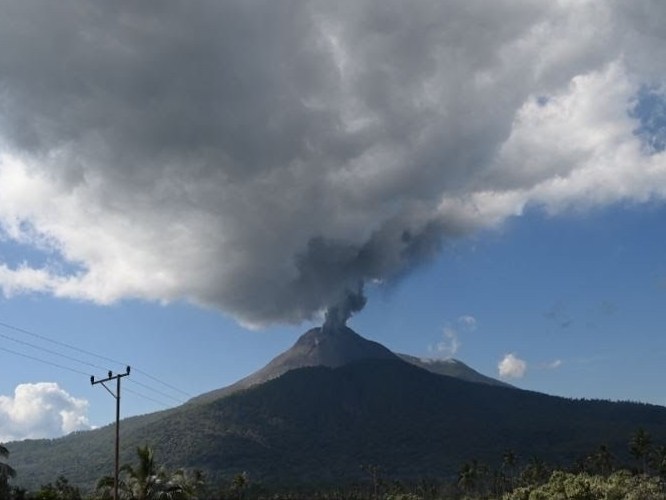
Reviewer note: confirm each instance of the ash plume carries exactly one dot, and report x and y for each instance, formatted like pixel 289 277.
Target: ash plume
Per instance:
pixel 265 158
pixel 337 315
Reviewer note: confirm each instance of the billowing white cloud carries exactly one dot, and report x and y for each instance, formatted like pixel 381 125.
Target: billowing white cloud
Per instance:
pixel 268 158
pixel 41 410
pixel 512 366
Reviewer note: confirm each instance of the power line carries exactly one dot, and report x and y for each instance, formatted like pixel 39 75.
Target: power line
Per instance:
pixel 74 370
pixel 157 391
pixel 163 383
pixel 44 349
pixel 86 352
pixel 57 342
pixel 43 361
pixel 162 403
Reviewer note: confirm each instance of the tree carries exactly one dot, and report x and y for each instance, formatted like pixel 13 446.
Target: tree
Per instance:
pixel 142 481
pixel 601 461
pixel 6 473
pixel 583 486
pixel 471 477
pixel 374 471
pixel 640 447
pixel 535 472
pixel 239 483
pixel 509 462
pixel 146 481
pixel 658 461
pixel 62 490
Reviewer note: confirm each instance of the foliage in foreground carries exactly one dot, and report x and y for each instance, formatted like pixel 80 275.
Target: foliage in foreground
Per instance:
pixel 320 424
pixel 597 476
pixel 621 485
pixel 147 481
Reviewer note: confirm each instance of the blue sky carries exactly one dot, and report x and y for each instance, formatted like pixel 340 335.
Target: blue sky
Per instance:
pixel 579 298
pixel 188 190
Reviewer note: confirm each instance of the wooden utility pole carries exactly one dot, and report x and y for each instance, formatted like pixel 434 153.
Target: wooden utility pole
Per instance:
pixel 116 396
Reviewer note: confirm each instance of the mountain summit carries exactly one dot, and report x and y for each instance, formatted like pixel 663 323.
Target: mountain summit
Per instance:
pixel 317 347
pixel 332 348
pixel 339 346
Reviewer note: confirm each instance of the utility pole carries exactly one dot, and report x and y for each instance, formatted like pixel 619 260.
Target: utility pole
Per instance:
pixel 116 396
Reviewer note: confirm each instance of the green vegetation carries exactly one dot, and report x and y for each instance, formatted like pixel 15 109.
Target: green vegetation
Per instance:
pixel 313 429
pixel 61 490
pixel 147 481
pixel 596 476
pixel 582 486
pixel 6 472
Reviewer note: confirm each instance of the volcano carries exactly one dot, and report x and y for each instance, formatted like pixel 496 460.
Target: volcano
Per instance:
pixel 316 347
pixel 335 401
pixel 336 347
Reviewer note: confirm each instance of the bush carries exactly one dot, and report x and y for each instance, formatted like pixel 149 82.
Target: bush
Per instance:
pixel 621 485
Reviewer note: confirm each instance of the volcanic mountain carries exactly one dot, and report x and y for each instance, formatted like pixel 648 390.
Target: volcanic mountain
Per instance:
pixel 336 401
pixel 316 347
pixel 335 347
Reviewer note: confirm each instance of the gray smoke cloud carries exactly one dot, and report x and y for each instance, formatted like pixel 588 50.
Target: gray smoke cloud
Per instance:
pixel 269 158
pixel 337 315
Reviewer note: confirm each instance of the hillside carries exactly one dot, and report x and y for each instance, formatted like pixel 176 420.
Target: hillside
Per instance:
pixel 320 424
pixel 452 368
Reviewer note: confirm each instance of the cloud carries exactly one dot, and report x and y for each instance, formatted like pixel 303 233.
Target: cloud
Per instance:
pixel 468 322
pixel 512 367
pixel 451 343
pixel 553 364
pixel 269 158
pixel 448 347
pixel 41 410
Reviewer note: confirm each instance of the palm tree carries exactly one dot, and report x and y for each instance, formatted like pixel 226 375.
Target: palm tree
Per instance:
pixel 143 480
pixel 239 483
pixel 509 462
pixel 471 476
pixel 6 472
pixel 146 481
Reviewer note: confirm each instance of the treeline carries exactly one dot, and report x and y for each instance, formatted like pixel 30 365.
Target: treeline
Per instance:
pixel 597 475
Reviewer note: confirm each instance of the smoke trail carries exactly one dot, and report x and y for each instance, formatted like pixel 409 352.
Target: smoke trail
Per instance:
pixel 338 314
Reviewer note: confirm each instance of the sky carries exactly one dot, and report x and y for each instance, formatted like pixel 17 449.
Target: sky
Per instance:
pixel 187 187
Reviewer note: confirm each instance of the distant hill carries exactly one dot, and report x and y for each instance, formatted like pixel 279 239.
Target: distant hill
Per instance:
pixel 319 424
pixel 452 368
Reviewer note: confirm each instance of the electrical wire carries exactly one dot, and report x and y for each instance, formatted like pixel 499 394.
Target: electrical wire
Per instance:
pixel 162 403
pixel 43 361
pixel 74 370
pixel 44 349
pixel 78 360
pixel 57 342
pixel 163 383
pixel 157 391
